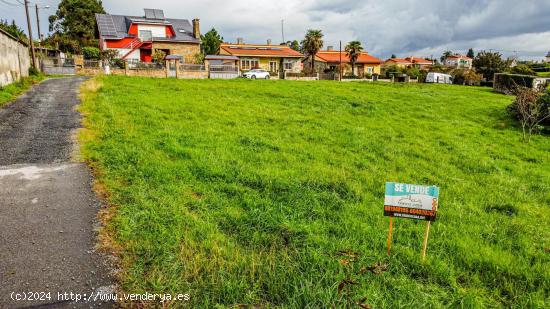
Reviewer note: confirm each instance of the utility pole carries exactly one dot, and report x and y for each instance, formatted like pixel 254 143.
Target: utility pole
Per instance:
pixel 340 66
pixel 38 22
pixel 283 29
pixel 30 33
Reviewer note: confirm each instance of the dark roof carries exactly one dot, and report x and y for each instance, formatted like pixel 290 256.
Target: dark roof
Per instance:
pixel 221 57
pixel 117 26
pixel 548 55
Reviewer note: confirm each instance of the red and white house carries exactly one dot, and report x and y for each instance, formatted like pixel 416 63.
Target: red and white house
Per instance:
pixel 136 37
pixel 458 61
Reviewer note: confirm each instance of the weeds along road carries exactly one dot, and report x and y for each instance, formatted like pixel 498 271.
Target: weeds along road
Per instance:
pixel 47 209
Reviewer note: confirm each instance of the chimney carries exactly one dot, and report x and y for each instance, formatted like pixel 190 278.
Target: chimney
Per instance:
pixel 240 41
pixel 196 28
pixel 268 41
pixel 330 48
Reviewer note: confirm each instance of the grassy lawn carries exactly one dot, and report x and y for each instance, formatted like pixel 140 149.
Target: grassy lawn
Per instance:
pixel 544 74
pixel 13 90
pixel 243 192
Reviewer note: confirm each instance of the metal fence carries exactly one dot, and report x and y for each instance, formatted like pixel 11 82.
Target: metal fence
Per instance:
pixel 58 66
pixel 223 68
pixel 192 67
pixel 92 64
pixel 134 64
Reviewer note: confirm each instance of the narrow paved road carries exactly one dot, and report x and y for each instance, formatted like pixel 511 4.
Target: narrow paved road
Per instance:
pixel 47 209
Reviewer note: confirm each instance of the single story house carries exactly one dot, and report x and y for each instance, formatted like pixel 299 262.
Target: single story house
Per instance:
pixel 458 61
pixel 419 62
pixel 272 58
pixel 137 37
pixel 329 60
pixel 399 62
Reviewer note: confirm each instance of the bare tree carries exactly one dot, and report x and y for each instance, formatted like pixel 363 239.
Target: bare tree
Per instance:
pixel 530 110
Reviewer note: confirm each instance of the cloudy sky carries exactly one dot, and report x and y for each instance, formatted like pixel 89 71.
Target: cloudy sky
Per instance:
pixel 402 27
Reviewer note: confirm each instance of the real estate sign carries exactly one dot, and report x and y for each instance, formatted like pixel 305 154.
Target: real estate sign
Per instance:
pixel 411 201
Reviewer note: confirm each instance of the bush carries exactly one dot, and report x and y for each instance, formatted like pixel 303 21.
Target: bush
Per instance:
pixel 34 71
pixel 91 53
pixel 531 108
pixel 158 56
pixel 522 69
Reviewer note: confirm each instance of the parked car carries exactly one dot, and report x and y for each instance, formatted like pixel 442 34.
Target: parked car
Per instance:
pixel 439 78
pixel 256 73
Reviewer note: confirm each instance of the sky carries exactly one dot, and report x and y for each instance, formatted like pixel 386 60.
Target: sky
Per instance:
pixel 420 28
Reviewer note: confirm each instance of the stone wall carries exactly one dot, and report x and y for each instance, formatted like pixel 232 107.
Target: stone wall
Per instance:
pixel 187 50
pixel 14 59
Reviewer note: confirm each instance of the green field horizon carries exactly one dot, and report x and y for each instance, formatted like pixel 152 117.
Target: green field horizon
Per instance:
pixel 244 192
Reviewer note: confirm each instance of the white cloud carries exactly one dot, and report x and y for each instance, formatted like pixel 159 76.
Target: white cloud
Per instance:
pixel 403 27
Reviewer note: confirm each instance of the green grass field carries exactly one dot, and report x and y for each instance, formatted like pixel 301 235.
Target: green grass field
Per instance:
pixel 11 91
pixel 243 192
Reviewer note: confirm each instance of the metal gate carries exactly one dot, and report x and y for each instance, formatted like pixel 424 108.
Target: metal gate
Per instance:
pixel 58 66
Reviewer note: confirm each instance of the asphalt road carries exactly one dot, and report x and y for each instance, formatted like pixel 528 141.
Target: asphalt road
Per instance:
pixel 47 208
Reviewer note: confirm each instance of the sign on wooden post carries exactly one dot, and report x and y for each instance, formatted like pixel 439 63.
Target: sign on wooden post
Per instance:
pixel 413 202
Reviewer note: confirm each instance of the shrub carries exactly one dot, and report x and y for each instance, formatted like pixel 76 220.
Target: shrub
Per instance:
pixel 158 56
pixel 522 69
pixel 531 108
pixel 91 53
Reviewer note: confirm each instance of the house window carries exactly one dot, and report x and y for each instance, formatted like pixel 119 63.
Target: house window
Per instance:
pixel 369 70
pixel 288 65
pixel 247 64
pixel 145 35
pixel 273 66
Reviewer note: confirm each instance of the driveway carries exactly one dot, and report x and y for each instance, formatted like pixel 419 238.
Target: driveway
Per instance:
pixel 47 208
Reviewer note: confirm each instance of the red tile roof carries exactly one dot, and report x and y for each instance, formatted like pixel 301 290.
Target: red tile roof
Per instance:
pixel 334 57
pixel 459 57
pixel 419 60
pixel 399 60
pixel 259 50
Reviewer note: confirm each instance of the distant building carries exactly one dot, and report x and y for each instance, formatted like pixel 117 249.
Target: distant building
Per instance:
pixel 272 58
pixel 547 59
pixel 329 60
pixel 399 62
pixel 458 61
pixel 136 37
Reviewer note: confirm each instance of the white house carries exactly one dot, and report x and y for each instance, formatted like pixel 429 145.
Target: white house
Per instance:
pixel 459 61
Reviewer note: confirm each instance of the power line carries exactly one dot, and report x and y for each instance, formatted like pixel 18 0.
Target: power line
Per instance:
pixel 11 4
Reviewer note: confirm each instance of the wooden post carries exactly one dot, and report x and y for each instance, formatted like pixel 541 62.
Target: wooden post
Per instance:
pixel 425 245
pixel 390 235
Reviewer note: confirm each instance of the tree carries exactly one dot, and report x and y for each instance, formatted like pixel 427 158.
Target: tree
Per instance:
pixel 523 69
pixel 91 53
pixel 158 56
pixel 210 42
pixel 446 54
pixel 294 45
pixel 311 44
pixel 489 63
pixel 13 29
pixel 353 50
pixel 470 53
pixel 393 56
pixel 75 20
pixel 531 108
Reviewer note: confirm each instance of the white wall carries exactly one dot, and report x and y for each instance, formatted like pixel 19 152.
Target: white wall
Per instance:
pixel 158 31
pixel 14 60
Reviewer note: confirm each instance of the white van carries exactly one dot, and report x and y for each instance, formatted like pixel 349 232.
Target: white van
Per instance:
pixel 439 78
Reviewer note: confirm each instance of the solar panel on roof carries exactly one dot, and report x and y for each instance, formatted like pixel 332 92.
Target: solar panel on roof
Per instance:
pixel 159 14
pixel 106 25
pixel 149 13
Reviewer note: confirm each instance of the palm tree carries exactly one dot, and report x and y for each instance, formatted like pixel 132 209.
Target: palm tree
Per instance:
pixel 353 50
pixel 311 44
